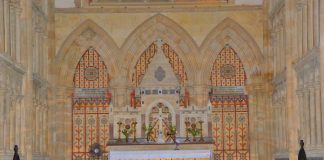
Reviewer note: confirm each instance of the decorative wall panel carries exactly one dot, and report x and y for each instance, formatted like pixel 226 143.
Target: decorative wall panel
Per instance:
pixel 230 108
pixel 230 127
pixel 145 59
pixel 90 110
pixel 91 72
pixel 228 69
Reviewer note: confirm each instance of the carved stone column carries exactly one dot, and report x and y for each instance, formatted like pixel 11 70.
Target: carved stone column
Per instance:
pixel 2 27
pixel 258 106
pixel 18 34
pixel 318 111
pixel 61 121
pixel 301 115
pixel 199 93
pixel 312 114
pixel 6 26
pixel 2 117
pixel 12 29
pixel 307 116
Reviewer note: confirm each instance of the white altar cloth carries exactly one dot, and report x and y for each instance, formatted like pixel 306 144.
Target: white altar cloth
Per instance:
pixel 155 154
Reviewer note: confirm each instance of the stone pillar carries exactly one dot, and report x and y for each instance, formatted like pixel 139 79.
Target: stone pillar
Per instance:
pixel 19 120
pixel 316 23
pixel 318 112
pixel 310 22
pixel 258 106
pixel 26 21
pixel 300 29
pixel 321 46
pixel 12 22
pixel 2 118
pixel 18 34
pixel 312 114
pixel 301 115
pixel 62 121
pixel 305 31
pixel 199 93
pixel 6 26
pixel 307 116
pixel 12 123
pixel 2 27
pixel 291 78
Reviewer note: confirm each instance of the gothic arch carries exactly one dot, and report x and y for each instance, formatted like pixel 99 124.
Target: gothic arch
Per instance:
pixel 159 26
pixel 229 32
pixel 87 34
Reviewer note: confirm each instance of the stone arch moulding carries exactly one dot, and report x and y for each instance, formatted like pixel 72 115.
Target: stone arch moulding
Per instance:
pixel 231 33
pixel 87 34
pixel 159 27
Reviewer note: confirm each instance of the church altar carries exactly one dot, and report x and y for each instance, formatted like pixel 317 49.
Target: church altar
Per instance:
pixel 161 155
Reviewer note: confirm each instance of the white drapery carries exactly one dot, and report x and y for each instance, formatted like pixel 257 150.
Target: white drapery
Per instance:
pixel 161 154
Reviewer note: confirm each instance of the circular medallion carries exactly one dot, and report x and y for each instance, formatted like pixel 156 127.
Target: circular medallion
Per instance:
pixel 91 73
pixel 227 71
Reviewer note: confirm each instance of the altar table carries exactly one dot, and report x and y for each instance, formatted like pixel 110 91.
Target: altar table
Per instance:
pixel 161 155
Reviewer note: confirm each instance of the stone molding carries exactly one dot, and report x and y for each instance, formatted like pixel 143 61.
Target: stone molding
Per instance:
pixel 155 9
pixel 16 67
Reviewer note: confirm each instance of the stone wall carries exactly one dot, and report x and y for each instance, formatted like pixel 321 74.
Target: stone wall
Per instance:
pixel 295 50
pixel 23 78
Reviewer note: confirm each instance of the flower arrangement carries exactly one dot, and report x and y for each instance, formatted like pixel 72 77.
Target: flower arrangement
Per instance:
pixel 194 131
pixel 127 131
pixel 148 131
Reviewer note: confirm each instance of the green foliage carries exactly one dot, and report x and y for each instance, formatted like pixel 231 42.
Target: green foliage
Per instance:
pixel 194 132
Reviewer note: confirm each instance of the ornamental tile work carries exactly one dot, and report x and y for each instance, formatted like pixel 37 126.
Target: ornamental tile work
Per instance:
pixel 91 72
pixel 230 128
pixel 146 57
pixel 228 69
pixel 90 110
pixel 230 110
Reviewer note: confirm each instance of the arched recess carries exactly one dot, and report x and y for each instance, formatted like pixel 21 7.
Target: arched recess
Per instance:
pixel 143 62
pixel 230 107
pixel 229 32
pixel 172 60
pixel 159 27
pixel 90 105
pixel 87 34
